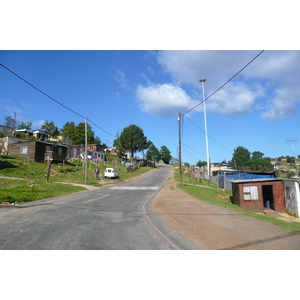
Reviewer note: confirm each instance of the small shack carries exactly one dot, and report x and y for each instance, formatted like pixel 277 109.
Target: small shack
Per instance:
pixel 259 194
pixel 36 150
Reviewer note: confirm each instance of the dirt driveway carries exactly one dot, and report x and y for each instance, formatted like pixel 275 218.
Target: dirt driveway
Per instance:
pixel 215 228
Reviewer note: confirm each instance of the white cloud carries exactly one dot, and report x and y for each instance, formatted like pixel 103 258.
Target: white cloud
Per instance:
pixel 273 78
pixel 235 99
pixel 216 66
pixel 164 100
pixel 279 107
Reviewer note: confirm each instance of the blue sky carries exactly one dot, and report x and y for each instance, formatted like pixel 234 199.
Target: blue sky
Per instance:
pixel 258 109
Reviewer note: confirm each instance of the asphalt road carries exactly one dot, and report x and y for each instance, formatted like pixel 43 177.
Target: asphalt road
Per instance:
pixel 112 218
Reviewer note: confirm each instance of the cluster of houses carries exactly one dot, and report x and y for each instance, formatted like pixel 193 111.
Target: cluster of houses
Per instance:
pixel 20 142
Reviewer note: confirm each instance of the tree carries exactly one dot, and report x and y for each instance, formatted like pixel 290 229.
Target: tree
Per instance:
pixel 121 151
pixel 68 130
pixel 50 129
pixel 201 163
pixel 290 159
pixel 257 154
pixel 240 157
pixel 97 141
pixel 165 154
pixel 153 153
pixel 131 139
pixel 24 125
pixel 10 122
pixel 77 133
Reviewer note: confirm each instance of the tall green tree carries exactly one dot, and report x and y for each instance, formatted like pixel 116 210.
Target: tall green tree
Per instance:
pixel 77 133
pixel 50 129
pixel 259 163
pixel 79 138
pixel 165 154
pixel 117 143
pixel 131 139
pixel 257 154
pixel 240 158
pixel 68 130
pixel 24 125
pixel 201 163
pixel 153 153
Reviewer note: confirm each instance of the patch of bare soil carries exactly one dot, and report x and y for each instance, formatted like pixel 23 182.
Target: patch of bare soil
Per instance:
pixel 216 228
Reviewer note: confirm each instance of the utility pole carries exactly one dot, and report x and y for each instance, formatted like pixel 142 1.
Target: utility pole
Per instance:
pixel 15 121
pixel 179 146
pixel 202 80
pixel 85 152
pixel 293 141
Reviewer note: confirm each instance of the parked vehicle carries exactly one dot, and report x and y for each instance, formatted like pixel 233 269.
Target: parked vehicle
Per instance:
pixel 110 173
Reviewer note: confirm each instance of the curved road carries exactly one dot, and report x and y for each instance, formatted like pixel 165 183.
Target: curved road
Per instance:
pixel 118 217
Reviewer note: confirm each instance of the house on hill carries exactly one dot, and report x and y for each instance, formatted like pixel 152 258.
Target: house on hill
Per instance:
pixel 38 150
pixel 6 131
pixel 38 134
pixel 96 152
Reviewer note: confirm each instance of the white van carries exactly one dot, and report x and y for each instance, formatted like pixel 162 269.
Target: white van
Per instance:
pixel 110 173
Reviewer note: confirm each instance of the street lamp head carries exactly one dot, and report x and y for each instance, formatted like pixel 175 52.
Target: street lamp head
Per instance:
pixel 202 80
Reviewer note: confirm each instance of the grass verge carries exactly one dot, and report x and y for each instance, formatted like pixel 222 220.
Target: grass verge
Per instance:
pixel 14 191
pixel 34 185
pixel 208 193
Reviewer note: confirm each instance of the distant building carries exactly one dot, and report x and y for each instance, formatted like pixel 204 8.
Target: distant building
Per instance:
pixel 6 131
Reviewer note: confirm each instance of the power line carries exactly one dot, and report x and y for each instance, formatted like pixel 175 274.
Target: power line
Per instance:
pixel 53 98
pixel 208 135
pixel 190 153
pixel 226 81
pixel 101 128
pixel 185 145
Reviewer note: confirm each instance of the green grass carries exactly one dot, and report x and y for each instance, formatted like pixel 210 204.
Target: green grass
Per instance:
pixel 12 190
pixel 210 194
pixel 22 191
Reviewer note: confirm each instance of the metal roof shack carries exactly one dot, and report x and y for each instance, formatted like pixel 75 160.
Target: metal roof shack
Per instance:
pixel 259 194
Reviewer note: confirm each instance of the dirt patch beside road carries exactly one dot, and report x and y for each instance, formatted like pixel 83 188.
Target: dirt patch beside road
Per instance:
pixel 215 228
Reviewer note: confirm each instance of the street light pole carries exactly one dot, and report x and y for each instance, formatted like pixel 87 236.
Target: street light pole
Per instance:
pixel 202 80
pixel 85 152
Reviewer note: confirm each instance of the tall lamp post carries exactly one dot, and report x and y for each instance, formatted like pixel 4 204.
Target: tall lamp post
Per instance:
pixel 202 80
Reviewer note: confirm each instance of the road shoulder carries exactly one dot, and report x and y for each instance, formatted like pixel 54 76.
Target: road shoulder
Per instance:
pixel 212 227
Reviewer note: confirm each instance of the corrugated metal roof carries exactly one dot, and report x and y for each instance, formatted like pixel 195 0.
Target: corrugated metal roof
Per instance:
pixel 256 180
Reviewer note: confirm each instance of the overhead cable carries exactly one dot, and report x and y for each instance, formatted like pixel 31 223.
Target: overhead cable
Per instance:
pixel 208 135
pixel 226 81
pixel 53 98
